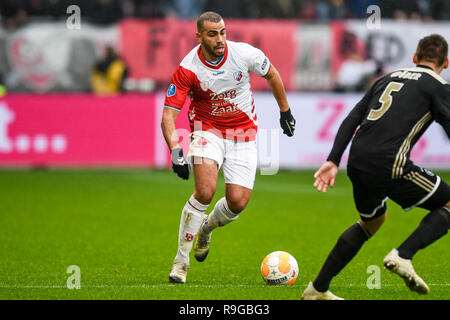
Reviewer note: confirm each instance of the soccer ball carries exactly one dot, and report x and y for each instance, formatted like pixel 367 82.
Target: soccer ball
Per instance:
pixel 279 268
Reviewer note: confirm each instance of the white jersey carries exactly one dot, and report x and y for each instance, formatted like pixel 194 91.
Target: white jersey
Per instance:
pixel 220 92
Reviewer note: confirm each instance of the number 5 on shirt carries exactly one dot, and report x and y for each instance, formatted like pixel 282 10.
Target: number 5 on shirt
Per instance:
pixel 386 101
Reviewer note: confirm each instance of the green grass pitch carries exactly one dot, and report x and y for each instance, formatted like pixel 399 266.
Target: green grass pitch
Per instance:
pixel 120 227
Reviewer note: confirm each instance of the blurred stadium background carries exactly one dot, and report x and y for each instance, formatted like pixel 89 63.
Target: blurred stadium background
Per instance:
pixel 84 85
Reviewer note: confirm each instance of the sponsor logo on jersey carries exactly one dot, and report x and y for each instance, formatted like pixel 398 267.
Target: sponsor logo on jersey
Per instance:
pixel 238 75
pixel 172 90
pixel 218 73
pixel 219 111
pixel 230 94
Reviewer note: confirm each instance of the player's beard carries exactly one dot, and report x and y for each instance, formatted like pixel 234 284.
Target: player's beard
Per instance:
pixel 211 50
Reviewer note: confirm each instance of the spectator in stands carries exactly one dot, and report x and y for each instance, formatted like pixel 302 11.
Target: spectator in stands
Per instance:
pixel 406 9
pixel 357 74
pixel 150 8
pixel 232 8
pixel 280 9
pixel 105 11
pixel 440 9
pixel 184 9
pixel 37 8
pixel 52 9
pixel 109 74
pixel 329 10
pixel 358 8
pixel 308 10
pixel 2 87
pixel 14 13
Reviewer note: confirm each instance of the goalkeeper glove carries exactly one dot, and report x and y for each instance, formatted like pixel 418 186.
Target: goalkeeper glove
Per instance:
pixel 179 163
pixel 287 123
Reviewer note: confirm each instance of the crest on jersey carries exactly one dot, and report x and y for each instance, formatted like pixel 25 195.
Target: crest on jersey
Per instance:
pixel 204 85
pixel 202 142
pixel 172 90
pixel 238 75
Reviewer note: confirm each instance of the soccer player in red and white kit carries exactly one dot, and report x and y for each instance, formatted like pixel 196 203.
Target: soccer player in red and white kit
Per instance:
pixel 215 75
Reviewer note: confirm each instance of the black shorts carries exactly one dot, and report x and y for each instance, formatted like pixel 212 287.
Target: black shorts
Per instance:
pixel 418 188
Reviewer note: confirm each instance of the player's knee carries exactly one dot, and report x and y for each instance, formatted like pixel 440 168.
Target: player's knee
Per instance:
pixel 236 203
pixel 374 225
pixel 204 194
pixel 237 198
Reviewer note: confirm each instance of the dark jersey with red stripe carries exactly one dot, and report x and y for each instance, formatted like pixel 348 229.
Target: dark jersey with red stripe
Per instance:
pixel 220 92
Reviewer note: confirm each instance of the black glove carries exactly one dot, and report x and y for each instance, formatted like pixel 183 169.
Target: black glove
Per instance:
pixel 287 123
pixel 179 163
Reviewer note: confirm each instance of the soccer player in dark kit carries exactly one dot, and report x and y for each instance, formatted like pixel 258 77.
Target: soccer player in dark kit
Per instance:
pixel 392 116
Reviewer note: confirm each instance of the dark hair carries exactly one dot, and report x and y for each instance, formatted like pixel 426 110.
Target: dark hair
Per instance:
pixel 207 16
pixel 433 48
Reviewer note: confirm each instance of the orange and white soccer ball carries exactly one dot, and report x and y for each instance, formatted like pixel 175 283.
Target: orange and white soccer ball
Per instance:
pixel 279 268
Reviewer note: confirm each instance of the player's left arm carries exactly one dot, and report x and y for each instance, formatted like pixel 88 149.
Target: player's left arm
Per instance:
pixel 276 85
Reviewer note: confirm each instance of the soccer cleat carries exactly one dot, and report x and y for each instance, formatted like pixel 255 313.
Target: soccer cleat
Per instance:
pixel 404 268
pixel 201 247
pixel 311 293
pixel 179 271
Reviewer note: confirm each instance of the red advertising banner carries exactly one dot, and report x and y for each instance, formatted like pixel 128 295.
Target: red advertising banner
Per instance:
pixel 72 130
pixel 154 49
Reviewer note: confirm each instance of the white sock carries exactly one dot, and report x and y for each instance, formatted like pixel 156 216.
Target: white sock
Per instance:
pixel 191 219
pixel 220 216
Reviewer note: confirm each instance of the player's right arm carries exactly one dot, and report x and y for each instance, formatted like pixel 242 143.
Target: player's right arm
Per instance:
pixel 326 176
pixel 348 127
pixel 441 107
pixel 169 129
pixel 327 173
pixel 179 162
pixel 175 98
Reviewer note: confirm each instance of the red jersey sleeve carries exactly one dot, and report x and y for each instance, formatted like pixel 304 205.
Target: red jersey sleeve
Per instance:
pixel 181 84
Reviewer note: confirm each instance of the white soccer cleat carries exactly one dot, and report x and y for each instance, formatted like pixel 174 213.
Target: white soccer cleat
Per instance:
pixel 311 293
pixel 179 271
pixel 201 247
pixel 404 268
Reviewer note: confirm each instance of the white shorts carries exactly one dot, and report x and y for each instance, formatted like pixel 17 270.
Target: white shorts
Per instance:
pixel 237 158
